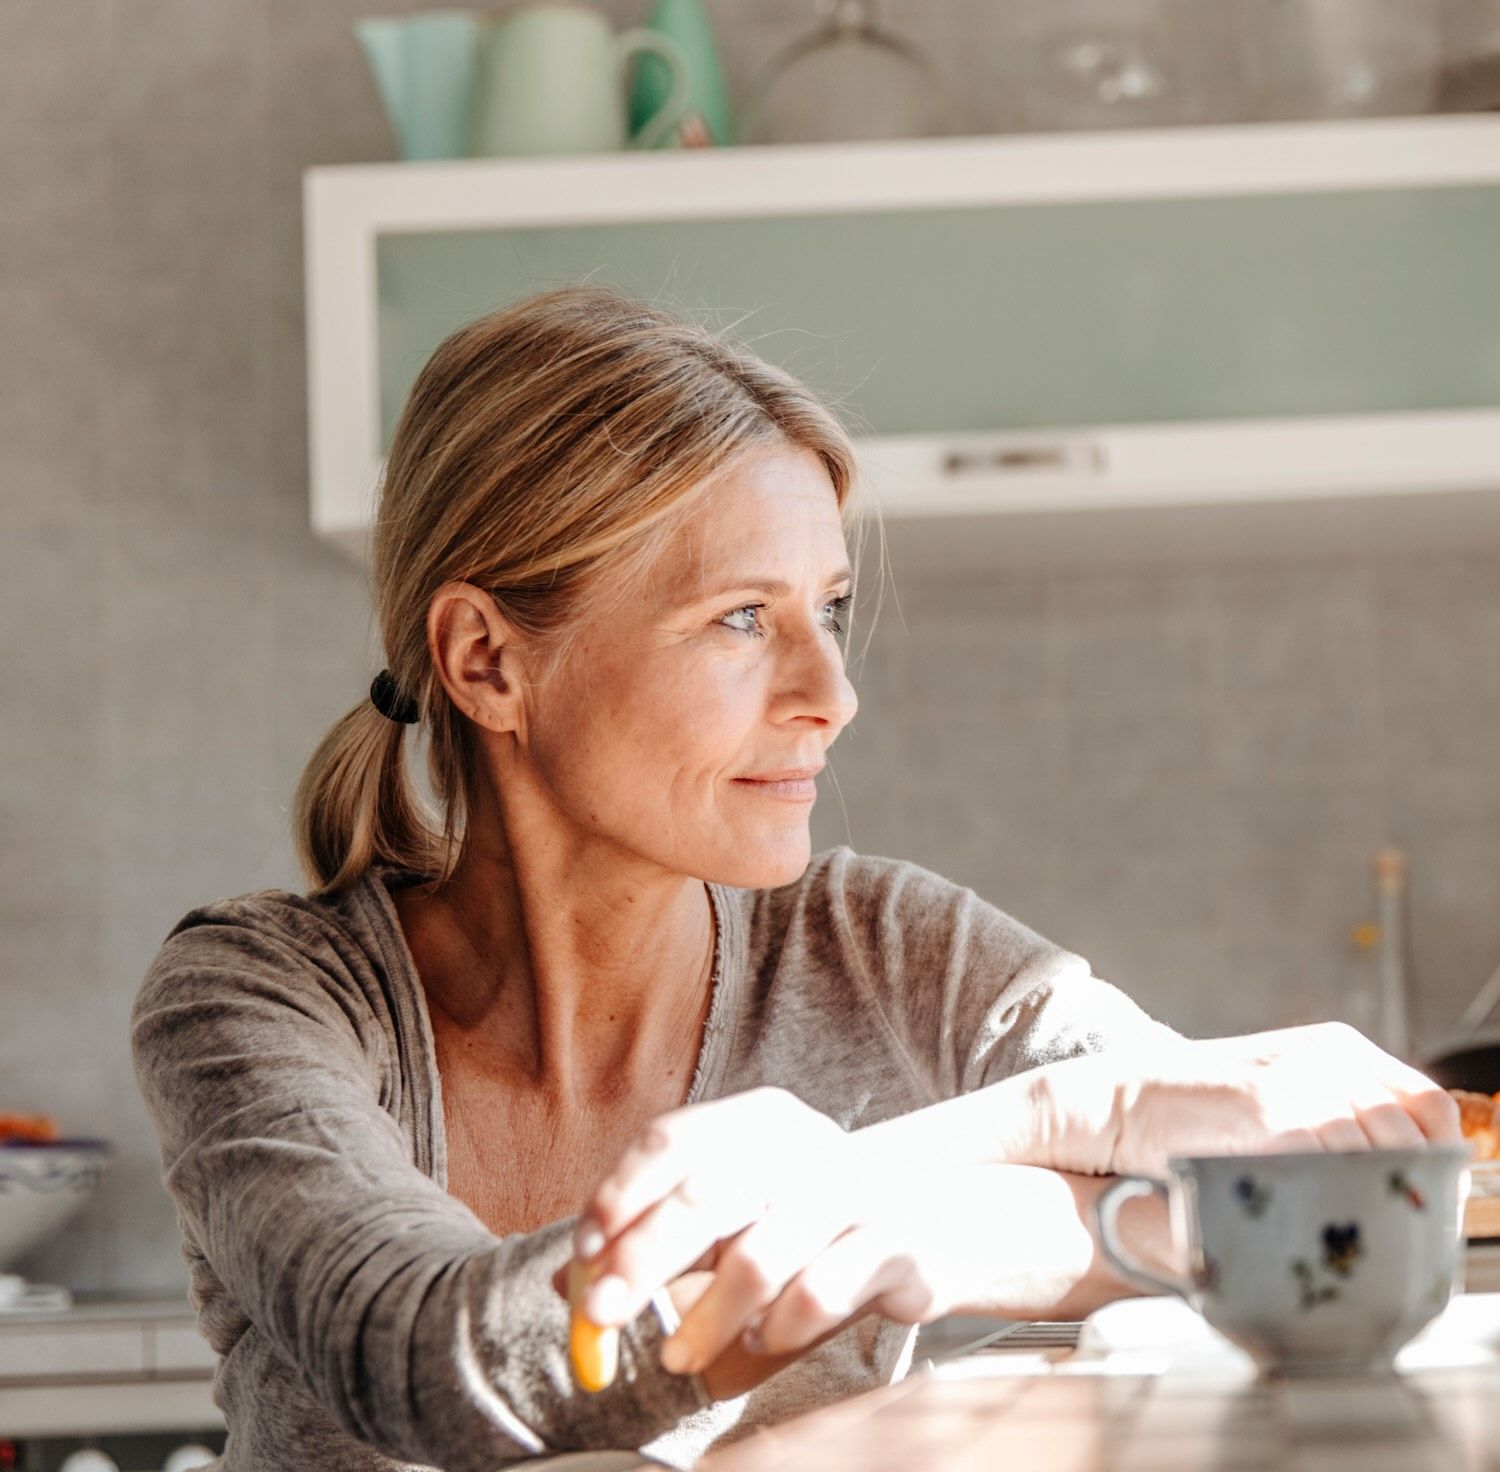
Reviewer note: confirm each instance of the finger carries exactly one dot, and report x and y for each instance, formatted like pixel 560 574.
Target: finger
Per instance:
pixel 1298 1141
pixel 669 1240
pixel 1342 1132
pixel 1390 1127
pixel 560 1278
pixel 697 1140
pixel 1432 1108
pixel 836 1286
pixel 652 1166
pixel 1435 1111
pixel 1382 1116
pixel 752 1271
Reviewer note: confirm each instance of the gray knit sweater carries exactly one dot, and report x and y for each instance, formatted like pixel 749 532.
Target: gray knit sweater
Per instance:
pixel 364 1319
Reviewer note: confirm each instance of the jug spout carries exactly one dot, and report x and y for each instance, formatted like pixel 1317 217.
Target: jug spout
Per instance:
pixel 424 68
pixel 381 42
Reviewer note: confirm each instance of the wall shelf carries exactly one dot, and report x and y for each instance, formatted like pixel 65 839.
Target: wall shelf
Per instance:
pixel 1261 418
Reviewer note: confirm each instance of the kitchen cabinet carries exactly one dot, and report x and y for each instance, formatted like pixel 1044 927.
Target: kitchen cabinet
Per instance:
pixel 106 1367
pixel 1052 330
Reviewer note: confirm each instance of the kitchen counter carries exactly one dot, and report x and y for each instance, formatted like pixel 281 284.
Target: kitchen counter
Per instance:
pixel 140 1365
pixel 1062 1410
pixel 114 1365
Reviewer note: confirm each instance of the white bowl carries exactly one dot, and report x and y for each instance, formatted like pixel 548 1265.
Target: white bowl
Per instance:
pixel 41 1186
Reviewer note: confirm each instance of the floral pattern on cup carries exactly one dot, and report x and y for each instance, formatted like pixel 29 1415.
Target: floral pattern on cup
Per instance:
pixel 1310 1292
pixel 1400 1185
pixel 1342 1247
pixel 1252 1196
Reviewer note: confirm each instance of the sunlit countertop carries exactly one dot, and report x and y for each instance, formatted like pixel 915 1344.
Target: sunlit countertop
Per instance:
pixel 1055 1409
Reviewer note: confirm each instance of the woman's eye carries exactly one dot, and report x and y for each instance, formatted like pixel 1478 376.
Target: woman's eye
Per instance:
pixel 840 607
pixel 750 612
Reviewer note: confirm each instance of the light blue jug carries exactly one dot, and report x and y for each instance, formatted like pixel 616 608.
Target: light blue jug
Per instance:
pixel 425 68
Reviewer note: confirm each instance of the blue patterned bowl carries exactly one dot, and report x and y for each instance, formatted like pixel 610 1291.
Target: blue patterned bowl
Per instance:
pixel 41 1186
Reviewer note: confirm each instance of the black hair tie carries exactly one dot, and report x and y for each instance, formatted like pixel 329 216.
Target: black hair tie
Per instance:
pixel 389 701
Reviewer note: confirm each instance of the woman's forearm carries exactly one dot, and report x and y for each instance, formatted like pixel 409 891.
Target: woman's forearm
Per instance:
pixel 1034 1249
pixel 1130 1110
pixel 1063 1114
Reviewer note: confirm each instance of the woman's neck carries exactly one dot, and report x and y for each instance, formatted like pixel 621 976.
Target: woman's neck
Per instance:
pixel 578 974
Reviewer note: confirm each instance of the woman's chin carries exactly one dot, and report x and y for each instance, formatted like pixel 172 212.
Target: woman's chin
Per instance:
pixel 767 860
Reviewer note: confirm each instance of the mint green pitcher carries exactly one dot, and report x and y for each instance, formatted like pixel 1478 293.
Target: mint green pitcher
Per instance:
pixel 551 79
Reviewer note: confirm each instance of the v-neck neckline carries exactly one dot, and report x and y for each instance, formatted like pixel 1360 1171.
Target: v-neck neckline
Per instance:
pixel 417 1049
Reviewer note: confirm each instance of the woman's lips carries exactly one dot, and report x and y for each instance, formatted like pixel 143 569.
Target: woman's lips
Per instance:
pixel 795 789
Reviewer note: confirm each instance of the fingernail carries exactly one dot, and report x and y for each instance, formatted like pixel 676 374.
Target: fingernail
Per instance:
pixel 677 1357
pixel 588 1239
pixel 754 1341
pixel 609 1300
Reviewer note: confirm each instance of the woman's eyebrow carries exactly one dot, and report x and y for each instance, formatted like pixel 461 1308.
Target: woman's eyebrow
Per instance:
pixel 772 587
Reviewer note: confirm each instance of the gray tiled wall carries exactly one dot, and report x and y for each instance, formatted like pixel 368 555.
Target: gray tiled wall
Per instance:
pixel 1185 773
pixel 1182 774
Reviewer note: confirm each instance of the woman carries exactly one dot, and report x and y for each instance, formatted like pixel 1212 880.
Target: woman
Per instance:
pixel 606 1003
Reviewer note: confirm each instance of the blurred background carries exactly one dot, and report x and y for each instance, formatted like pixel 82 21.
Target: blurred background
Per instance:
pixel 1165 743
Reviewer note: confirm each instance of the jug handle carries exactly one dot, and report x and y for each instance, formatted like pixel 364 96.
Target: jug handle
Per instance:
pixel 671 112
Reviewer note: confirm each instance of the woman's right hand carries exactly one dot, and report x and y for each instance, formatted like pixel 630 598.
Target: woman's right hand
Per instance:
pixel 1321 1087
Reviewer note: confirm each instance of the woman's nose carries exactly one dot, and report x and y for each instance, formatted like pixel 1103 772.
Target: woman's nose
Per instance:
pixel 816 684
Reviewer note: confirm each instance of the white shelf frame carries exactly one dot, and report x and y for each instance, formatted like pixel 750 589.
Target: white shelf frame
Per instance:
pixel 348 207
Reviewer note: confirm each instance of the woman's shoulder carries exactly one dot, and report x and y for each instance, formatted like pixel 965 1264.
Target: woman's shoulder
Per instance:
pixel 967 992
pixel 276 942
pixel 893 913
pixel 877 890
pixel 263 918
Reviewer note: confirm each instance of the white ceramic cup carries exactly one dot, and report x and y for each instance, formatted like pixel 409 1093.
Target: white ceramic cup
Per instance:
pixel 1315 1263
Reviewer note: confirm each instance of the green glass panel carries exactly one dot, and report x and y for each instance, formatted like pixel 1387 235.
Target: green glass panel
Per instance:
pixel 1004 317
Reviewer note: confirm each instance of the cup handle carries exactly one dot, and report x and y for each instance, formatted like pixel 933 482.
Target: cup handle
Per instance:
pixel 672 111
pixel 1107 1210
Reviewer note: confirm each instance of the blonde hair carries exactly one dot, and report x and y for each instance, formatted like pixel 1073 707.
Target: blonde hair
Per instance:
pixel 544 453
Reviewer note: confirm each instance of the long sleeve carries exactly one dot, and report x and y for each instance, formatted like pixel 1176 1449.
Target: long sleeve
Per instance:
pixel 418 1331
pixel 969 994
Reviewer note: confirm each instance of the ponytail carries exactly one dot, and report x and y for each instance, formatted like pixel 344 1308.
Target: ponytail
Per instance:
pixel 355 806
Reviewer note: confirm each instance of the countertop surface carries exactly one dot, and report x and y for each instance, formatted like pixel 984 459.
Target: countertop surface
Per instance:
pixel 1200 1407
pixel 106 1366
pixel 114 1338
pixel 1027 1400
pixel 112 1309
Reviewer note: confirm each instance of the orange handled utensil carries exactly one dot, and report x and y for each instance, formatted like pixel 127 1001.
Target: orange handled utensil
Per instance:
pixel 593 1349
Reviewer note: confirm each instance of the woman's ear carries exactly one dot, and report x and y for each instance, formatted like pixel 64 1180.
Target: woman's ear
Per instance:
pixel 476 652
